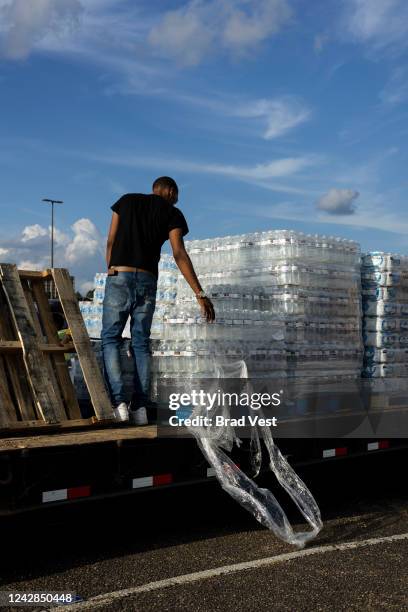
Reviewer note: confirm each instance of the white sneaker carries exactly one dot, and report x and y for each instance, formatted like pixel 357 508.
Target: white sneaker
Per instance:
pixel 121 413
pixel 138 416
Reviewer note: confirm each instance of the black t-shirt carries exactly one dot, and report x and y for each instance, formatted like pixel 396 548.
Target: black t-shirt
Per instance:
pixel 144 225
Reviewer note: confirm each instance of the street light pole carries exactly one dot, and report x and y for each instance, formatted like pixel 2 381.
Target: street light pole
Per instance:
pixel 52 202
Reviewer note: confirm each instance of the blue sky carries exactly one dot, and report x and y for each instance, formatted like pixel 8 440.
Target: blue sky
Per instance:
pixel 268 113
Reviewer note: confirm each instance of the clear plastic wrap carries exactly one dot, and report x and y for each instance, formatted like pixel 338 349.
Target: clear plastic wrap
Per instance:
pixel 215 442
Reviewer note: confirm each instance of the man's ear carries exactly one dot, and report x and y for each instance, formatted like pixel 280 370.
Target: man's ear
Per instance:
pixel 173 195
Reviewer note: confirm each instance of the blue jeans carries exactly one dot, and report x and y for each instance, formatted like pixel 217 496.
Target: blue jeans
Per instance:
pixel 134 294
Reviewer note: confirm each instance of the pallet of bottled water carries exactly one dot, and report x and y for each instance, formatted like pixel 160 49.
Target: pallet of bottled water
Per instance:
pixel 384 279
pixel 287 303
pixel 92 310
pixel 92 315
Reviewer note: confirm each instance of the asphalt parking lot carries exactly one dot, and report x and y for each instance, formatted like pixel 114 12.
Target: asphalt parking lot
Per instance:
pixel 195 549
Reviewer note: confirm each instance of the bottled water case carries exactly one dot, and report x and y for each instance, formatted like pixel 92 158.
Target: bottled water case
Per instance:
pixel 286 303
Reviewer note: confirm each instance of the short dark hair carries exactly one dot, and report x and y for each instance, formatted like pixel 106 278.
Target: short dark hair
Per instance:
pixel 165 181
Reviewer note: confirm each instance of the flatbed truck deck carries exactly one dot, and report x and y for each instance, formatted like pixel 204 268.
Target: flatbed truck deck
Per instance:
pixel 42 469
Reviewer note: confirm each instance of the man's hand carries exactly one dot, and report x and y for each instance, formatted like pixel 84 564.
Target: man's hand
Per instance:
pixel 207 309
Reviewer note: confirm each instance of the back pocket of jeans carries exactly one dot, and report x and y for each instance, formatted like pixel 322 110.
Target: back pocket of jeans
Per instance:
pixel 116 293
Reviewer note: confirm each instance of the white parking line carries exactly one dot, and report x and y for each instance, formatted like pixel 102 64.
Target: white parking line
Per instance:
pixel 107 598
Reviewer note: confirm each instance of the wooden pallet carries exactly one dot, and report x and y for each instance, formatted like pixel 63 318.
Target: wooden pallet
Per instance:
pixel 35 385
pixel 77 438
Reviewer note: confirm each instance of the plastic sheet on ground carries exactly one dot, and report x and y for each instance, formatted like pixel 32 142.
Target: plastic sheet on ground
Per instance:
pixel 215 442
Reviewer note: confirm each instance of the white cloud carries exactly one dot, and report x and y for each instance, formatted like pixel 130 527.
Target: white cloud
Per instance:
pixel 115 35
pixel 270 170
pixel 60 238
pixel 200 28
pixel 379 23
pixel 276 116
pixel 372 215
pixel 86 242
pixel 86 286
pixel 80 249
pixel 280 114
pixel 246 28
pixel 41 235
pixel 26 22
pixel 26 264
pixel 126 35
pixel 338 201
pixel 31 232
pixel 182 34
pixel 264 174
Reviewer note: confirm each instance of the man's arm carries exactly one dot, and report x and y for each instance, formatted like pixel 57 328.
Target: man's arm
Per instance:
pixel 111 236
pixel 185 266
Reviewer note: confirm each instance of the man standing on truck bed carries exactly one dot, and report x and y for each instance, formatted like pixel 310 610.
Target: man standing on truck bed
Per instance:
pixel 139 227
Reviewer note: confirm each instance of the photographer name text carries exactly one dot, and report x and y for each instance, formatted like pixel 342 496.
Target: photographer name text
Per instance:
pixel 222 421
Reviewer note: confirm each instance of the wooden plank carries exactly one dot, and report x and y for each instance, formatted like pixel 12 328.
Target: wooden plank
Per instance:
pixel 43 392
pixel 61 425
pixel 61 367
pixel 15 365
pixel 21 388
pixel 7 409
pixel 78 438
pixel 34 274
pixel 57 348
pixel 86 356
pixel 14 346
pixel 10 346
pixel 19 427
pixel 59 406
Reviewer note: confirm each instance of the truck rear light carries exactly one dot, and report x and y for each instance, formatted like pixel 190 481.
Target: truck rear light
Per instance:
pixel 381 444
pixel 52 496
pixel 140 483
pixel 162 479
pixel 76 492
pixel 335 452
pixel 156 480
pixel 64 494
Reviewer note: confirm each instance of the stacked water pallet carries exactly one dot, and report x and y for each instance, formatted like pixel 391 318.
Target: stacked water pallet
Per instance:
pixel 92 309
pixel 287 303
pixel 385 323
pixel 166 294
